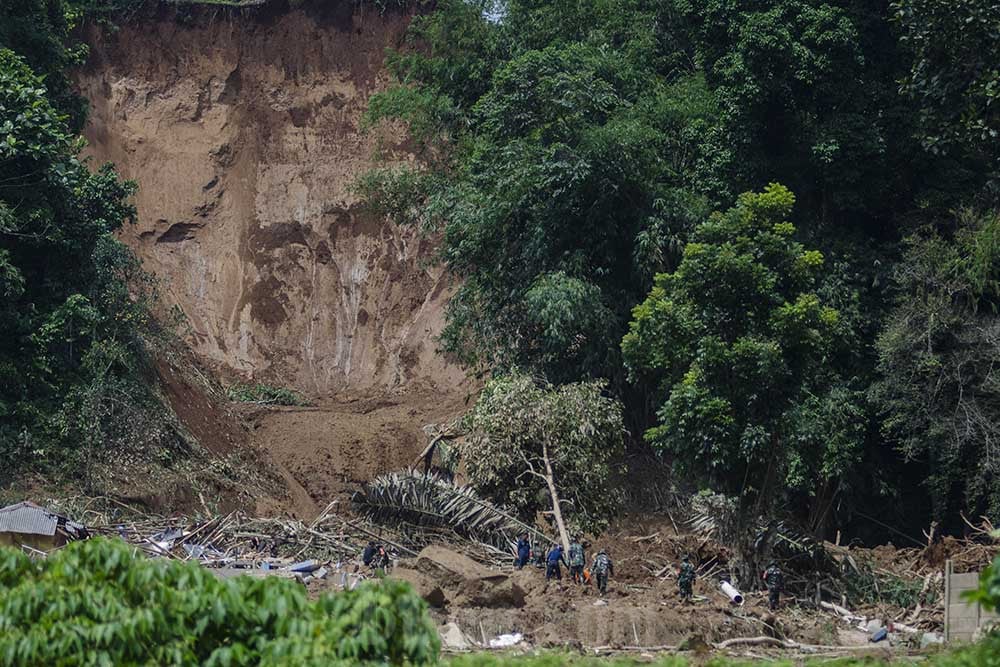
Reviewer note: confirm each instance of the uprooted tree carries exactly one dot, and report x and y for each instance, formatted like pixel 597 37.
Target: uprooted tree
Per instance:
pixel 538 447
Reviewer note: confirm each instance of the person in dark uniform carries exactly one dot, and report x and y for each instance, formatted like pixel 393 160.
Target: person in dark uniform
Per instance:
pixel 775 581
pixel 601 568
pixel 552 569
pixel 523 551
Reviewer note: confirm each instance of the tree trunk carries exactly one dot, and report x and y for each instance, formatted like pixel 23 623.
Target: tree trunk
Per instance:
pixel 554 493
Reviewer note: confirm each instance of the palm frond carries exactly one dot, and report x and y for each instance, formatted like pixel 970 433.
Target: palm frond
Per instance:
pixel 416 499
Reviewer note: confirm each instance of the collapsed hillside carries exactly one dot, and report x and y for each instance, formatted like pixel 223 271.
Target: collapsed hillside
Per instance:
pixel 244 135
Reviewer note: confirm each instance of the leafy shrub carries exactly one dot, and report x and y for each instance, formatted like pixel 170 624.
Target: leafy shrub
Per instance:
pixel 988 593
pixel 866 587
pixel 96 603
pixel 264 394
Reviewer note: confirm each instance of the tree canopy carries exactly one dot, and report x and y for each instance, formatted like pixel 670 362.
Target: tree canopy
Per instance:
pixel 734 336
pixel 572 154
pixel 76 304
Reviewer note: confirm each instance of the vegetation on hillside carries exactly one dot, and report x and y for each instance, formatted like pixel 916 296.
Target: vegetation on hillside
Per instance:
pixel 587 165
pixel 264 394
pixel 75 317
pixel 573 153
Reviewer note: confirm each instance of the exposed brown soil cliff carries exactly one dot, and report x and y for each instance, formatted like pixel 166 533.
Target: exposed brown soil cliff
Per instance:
pixel 243 132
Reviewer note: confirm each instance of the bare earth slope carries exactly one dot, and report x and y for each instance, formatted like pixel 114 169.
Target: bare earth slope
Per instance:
pixel 243 133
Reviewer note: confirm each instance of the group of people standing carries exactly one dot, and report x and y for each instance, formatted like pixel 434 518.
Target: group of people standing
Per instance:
pixel 555 560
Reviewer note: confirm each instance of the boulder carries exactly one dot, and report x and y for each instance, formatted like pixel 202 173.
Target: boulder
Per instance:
pixel 453 638
pixel 442 576
pixel 425 586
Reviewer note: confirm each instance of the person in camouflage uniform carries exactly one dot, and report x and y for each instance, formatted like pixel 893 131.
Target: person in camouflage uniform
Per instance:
pixel 685 578
pixel 577 560
pixel 775 581
pixel 601 568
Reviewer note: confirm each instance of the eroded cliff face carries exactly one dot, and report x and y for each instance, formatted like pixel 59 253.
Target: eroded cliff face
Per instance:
pixel 243 134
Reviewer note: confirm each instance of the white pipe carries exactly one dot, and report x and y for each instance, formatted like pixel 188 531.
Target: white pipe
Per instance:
pixel 733 594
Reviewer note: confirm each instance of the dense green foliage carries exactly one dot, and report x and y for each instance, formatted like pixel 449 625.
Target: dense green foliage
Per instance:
pixel 955 74
pixel 939 385
pixel 736 337
pixel 97 603
pixel 518 422
pixel 574 150
pixel 988 593
pixel 74 319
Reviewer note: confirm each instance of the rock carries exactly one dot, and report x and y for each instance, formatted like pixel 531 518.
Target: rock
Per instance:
pixel 452 637
pixel 425 586
pixel 467 583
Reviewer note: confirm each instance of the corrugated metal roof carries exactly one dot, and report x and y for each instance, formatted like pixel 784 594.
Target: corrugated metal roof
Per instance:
pixel 27 518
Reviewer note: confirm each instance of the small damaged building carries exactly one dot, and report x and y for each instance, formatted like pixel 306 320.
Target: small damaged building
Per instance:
pixel 26 524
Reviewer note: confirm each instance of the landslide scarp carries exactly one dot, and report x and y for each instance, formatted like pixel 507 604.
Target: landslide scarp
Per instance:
pixel 243 133
pixel 242 130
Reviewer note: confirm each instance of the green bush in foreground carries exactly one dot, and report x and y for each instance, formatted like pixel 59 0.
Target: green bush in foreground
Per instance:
pixel 97 603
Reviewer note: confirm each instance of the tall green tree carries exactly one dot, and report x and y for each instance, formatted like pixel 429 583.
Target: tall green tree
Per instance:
pixel 572 178
pixel 76 302
pixel 736 338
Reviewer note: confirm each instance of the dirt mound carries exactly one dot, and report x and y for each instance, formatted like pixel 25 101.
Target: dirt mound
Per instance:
pixel 332 449
pixel 243 133
pixel 446 578
pixel 637 611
